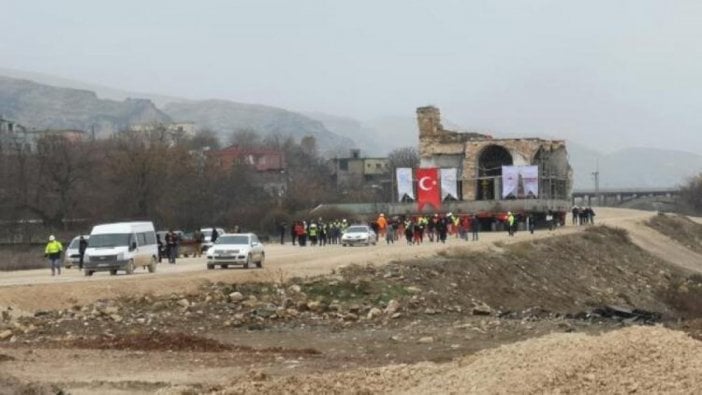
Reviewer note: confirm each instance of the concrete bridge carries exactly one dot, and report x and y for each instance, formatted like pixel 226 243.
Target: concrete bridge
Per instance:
pixel 618 196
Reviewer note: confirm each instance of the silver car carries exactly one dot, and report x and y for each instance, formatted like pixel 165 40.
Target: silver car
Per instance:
pixel 358 234
pixel 236 249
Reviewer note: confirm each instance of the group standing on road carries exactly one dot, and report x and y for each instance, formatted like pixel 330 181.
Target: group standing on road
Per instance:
pixel 582 215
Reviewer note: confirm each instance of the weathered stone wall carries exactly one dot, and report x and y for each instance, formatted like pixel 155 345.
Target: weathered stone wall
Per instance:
pixel 435 142
pixel 523 152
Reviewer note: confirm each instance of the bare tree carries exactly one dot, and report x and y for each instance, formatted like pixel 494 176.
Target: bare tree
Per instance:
pixel 245 138
pixel 404 157
pixel 691 193
pixel 138 167
pixel 203 139
pixel 62 168
pixel 309 146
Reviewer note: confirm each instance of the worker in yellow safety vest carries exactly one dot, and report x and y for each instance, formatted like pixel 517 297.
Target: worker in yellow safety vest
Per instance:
pixel 53 251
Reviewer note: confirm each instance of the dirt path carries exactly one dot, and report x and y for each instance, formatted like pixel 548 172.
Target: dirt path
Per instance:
pixel 658 244
pixel 35 290
pixel 342 349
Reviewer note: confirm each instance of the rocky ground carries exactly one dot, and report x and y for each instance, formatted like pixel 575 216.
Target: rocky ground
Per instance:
pixel 410 326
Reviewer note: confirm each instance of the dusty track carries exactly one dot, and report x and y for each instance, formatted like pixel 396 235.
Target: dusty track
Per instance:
pixel 128 371
pixel 35 289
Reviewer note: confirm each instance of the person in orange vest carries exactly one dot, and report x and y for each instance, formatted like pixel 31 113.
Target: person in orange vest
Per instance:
pixel 382 226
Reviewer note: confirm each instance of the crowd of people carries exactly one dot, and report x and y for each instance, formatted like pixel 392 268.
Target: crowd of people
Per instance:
pixel 414 229
pixel 421 228
pixel 314 232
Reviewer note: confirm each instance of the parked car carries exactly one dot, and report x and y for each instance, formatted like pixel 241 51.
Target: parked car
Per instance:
pixel 236 249
pixel 358 234
pixel 207 233
pixel 121 246
pixel 72 255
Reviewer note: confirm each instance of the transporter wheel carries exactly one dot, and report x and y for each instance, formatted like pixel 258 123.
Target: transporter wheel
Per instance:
pixel 259 264
pixel 248 262
pixel 225 266
pixel 210 267
pixel 130 267
pixel 113 272
pixel 88 273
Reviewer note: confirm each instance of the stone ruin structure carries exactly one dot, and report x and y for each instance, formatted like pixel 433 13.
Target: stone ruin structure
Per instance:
pixel 479 159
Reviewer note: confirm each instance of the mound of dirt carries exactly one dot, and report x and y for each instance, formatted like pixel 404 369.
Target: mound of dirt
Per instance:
pixel 679 228
pixel 635 359
pixel 12 386
pixel 150 342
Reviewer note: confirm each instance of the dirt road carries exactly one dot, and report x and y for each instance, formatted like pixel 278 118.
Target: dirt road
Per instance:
pixel 271 354
pixel 33 290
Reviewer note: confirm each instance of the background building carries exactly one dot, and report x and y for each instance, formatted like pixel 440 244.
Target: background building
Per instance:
pixel 479 158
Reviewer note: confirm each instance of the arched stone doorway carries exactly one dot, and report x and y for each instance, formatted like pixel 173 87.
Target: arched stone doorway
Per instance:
pixel 553 172
pixel 490 162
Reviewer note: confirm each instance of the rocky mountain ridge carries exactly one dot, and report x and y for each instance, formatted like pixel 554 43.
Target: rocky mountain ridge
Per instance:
pixel 39 106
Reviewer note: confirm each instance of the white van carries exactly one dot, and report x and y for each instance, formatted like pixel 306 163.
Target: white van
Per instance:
pixel 121 246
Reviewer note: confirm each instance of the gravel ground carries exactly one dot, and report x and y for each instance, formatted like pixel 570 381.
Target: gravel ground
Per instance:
pixel 635 359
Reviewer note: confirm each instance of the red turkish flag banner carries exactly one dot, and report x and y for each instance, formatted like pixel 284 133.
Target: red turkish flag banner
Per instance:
pixel 428 188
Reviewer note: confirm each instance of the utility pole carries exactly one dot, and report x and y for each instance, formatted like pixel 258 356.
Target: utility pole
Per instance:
pixel 596 176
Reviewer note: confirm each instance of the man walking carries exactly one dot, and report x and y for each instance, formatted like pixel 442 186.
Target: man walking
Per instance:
pixel 382 224
pixel 82 246
pixel 475 227
pixel 281 231
pixel 172 246
pixel 53 251
pixel 510 223
pixel 199 238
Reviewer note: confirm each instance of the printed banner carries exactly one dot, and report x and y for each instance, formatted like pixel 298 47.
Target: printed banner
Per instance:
pixel 530 178
pixel 510 181
pixel 404 183
pixel 428 188
pixel 449 183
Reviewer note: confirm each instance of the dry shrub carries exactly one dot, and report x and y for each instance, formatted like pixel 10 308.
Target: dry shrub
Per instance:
pixel 679 228
pixel 684 295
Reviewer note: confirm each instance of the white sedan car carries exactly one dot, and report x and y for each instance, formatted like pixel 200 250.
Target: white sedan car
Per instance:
pixel 358 234
pixel 236 249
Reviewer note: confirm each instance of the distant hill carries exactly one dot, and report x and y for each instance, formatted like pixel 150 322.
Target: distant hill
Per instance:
pixel 102 92
pixel 40 106
pixel 367 139
pixel 225 117
pixel 633 167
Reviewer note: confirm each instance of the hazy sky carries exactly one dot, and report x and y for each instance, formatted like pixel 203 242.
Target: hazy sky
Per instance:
pixel 607 73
